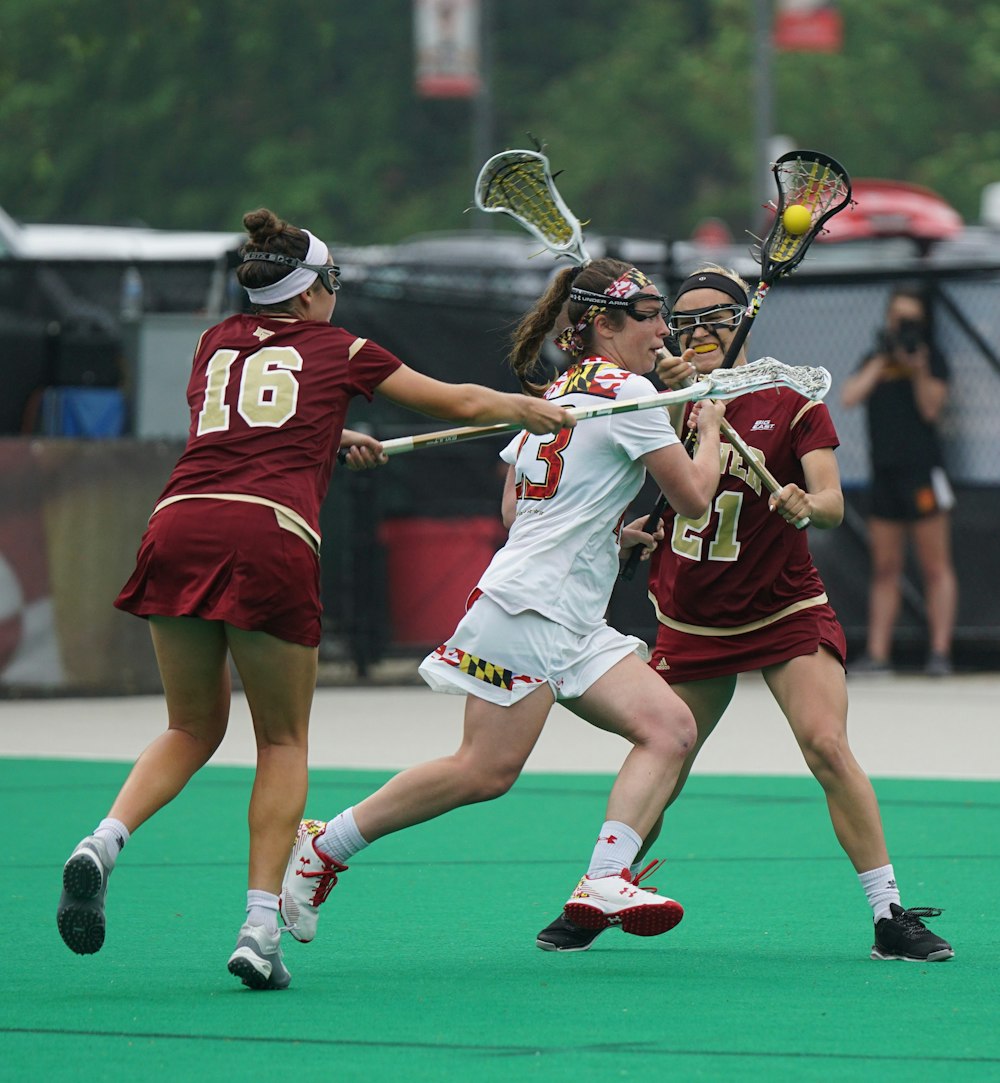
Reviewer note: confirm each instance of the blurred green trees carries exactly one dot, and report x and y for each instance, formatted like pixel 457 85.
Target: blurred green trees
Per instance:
pixel 184 114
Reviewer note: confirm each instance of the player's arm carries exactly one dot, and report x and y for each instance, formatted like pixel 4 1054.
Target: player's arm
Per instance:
pixel 822 500
pixel 508 504
pixel 633 535
pixel 677 371
pixel 690 484
pixel 471 403
pixel 361 451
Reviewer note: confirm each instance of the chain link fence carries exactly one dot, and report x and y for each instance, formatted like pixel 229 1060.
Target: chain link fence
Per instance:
pixel 419 530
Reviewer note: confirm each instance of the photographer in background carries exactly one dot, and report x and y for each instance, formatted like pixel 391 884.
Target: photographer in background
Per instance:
pixel 904 382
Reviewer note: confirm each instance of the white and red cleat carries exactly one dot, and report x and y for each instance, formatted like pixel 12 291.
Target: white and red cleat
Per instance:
pixel 618 900
pixel 309 879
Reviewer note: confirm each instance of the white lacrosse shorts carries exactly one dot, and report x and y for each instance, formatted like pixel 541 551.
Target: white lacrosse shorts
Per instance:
pixel 502 657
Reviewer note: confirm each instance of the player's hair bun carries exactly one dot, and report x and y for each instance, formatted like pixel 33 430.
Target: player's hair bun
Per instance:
pixel 261 225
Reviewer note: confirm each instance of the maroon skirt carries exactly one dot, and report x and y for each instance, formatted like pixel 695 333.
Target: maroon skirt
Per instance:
pixel 229 561
pixel 680 656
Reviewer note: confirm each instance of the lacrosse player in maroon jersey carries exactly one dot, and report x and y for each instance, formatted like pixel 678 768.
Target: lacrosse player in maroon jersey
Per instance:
pixel 736 590
pixel 229 564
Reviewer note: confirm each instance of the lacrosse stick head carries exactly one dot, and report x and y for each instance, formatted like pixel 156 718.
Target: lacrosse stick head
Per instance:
pixel 815 182
pixel 813 382
pixel 519 183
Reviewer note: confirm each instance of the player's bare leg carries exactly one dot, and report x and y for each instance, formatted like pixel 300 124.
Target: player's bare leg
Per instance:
pixel 632 701
pixel 278 680
pixel 191 655
pixel 496 742
pixel 812 693
pixel 192 659
pixel 708 701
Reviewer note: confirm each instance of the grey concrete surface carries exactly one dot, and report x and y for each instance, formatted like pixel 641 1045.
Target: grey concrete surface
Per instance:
pixel 905 727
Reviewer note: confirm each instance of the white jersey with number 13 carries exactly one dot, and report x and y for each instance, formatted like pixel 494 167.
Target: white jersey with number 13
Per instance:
pixel 561 558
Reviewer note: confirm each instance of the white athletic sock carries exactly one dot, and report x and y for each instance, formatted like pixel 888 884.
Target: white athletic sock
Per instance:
pixel 341 840
pixel 616 848
pixel 262 909
pixel 114 834
pixel 880 887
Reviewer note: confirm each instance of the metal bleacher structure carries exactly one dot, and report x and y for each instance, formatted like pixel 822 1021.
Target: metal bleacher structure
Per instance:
pixel 403 545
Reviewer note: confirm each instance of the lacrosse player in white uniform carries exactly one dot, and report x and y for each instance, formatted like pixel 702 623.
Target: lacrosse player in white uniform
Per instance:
pixel 535 632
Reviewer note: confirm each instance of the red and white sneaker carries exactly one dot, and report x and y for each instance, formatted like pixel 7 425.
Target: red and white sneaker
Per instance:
pixel 309 879
pixel 618 900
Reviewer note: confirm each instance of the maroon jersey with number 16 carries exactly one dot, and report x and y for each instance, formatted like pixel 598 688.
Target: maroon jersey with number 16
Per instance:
pixel 268 399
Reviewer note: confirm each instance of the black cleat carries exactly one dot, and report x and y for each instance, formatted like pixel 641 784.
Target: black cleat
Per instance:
pixel 565 935
pixel 905 936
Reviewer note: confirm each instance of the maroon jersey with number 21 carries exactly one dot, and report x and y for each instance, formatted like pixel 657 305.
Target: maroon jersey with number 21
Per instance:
pixel 742 562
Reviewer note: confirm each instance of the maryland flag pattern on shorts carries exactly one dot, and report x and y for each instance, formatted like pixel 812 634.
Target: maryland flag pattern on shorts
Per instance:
pixel 489 672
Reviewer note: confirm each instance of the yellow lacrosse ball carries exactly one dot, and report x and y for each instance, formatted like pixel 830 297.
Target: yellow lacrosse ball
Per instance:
pixel 796 219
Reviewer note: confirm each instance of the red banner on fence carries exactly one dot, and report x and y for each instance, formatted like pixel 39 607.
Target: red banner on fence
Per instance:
pixel 808 26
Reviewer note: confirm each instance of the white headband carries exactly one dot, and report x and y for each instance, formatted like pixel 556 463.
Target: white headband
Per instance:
pixel 296 281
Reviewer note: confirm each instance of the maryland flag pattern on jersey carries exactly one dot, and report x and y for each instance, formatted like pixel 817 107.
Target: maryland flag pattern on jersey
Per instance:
pixel 596 377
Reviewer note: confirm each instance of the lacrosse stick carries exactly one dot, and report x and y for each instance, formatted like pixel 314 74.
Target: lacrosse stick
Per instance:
pixel 812 188
pixel 520 183
pixel 813 383
pixel 819 187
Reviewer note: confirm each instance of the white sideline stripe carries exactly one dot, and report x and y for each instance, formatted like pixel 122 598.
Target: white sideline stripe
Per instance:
pixel 900 727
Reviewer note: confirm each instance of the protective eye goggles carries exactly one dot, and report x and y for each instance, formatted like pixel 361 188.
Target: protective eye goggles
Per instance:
pixel 645 299
pixel 327 272
pixel 714 319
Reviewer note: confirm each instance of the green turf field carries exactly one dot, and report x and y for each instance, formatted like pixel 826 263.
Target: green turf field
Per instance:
pixel 425 966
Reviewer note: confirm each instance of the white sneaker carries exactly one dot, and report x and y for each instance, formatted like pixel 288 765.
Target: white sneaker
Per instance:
pixel 257 959
pixel 618 900
pixel 309 878
pixel 80 916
